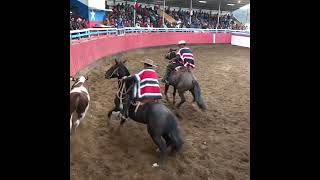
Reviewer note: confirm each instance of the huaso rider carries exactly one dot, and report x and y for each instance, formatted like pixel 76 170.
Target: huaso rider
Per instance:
pixel 146 88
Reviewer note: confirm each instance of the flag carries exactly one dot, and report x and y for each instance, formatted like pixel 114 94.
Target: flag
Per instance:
pixel 136 5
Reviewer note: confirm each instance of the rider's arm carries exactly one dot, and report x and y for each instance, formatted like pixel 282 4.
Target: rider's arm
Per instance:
pixel 178 56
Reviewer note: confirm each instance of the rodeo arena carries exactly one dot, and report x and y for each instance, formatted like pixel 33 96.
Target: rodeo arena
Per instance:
pixel 160 89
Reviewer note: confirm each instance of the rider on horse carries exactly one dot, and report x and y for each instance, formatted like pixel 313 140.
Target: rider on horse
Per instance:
pixel 184 57
pixel 146 88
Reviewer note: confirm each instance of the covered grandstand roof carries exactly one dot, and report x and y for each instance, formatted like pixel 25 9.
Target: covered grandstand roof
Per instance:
pixel 210 4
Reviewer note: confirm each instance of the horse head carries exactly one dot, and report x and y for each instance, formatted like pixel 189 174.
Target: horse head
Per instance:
pixel 171 54
pixel 117 70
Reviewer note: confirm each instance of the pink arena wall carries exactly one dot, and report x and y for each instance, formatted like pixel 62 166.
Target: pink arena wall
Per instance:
pixel 85 53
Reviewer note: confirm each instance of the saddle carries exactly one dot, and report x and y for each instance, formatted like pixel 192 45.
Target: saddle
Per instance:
pixel 181 69
pixel 139 104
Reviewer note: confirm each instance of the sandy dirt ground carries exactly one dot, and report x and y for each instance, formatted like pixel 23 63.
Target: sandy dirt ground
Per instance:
pixel 216 142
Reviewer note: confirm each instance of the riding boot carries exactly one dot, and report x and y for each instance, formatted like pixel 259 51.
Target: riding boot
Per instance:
pixel 166 75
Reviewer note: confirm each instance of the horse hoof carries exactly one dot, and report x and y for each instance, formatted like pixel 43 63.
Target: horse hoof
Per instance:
pixel 155 165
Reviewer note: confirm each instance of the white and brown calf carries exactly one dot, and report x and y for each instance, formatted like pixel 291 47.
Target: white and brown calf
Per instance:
pixel 79 101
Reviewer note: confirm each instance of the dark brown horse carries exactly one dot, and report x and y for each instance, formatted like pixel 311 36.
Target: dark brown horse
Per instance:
pixel 183 80
pixel 79 101
pixel 161 122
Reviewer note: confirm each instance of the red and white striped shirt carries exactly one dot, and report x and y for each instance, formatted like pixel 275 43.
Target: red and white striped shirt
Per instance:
pixel 185 54
pixel 148 85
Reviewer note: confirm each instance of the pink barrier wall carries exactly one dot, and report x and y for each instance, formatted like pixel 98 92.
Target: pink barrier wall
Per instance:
pixel 85 53
pixel 223 38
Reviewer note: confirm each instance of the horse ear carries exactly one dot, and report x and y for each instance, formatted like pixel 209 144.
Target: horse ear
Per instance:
pixel 87 77
pixel 115 61
pixel 124 61
pixel 71 78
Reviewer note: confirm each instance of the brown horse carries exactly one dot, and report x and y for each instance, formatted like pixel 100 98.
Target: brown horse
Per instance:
pixel 79 100
pixel 183 80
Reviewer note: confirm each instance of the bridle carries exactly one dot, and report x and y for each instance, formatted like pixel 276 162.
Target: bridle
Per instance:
pixel 115 70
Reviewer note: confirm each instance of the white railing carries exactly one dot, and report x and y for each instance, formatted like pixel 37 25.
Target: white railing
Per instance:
pixel 87 33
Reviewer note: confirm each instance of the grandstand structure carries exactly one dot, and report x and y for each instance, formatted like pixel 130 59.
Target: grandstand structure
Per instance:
pixel 90 44
pixel 96 11
pixel 225 5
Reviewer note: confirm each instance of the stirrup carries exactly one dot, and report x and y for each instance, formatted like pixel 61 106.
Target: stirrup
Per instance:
pixel 165 81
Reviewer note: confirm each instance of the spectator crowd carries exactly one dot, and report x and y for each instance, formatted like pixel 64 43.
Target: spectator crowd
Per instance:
pixel 123 15
pixel 77 22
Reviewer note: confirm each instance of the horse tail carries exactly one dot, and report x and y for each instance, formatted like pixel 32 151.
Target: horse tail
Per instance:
pixel 176 138
pixel 197 95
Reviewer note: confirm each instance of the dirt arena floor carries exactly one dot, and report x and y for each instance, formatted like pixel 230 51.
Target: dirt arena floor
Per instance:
pixel 216 142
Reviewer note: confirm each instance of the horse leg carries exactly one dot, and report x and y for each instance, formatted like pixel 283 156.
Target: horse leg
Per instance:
pixel 183 99
pixel 174 95
pixel 163 149
pixel 193 95
pixel 109 116
pixel 123 120
pixel 166 87
pixel 168 142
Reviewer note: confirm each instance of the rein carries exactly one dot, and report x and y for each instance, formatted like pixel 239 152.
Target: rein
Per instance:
pixel 122 90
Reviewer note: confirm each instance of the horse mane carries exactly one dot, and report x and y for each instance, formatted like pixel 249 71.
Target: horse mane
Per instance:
pixel 125 69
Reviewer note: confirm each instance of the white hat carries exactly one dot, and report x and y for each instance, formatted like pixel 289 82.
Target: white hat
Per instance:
pixel 149 61
pixel 182 42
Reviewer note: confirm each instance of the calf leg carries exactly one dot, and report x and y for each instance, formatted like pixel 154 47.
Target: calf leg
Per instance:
pixel 70 124
pixel 80 118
